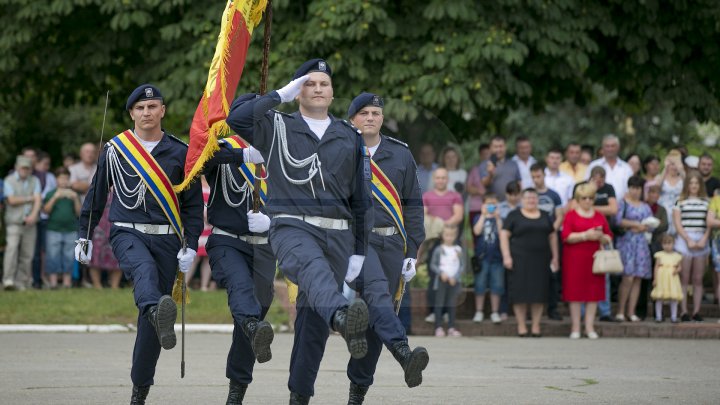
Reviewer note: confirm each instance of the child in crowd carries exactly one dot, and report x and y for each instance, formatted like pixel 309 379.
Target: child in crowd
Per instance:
pixel 63 207
pixel 491 274
pixel 448 262
pixel 666 285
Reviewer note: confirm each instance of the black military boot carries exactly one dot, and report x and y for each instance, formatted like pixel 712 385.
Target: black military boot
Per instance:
pixel 352 322
pixel 162 317
pixel 412 362
pixel 261 336
pixel 236 393
pixel 357 394
pixel 297 399
pixel 139 394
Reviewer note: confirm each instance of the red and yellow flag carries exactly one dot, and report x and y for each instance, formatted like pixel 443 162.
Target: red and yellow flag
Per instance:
pixel 238 22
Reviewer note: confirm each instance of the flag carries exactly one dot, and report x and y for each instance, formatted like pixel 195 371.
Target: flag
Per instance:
pixel 238 22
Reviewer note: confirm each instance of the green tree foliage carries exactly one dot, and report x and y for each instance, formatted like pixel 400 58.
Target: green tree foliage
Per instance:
pixel 465 63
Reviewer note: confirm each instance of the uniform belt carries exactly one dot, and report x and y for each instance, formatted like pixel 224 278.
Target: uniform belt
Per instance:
pixel 251 239
pixel 386 231
pixel 150 229
pixel 320 222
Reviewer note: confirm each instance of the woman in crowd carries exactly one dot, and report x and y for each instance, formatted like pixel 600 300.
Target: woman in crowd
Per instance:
pixel 635 163
pixel 633 247
pixel 671 184
pixel 451 159
pixel 584 229
pixel 651 167
pixel 530 251
pixel 690 218
pixel 714 223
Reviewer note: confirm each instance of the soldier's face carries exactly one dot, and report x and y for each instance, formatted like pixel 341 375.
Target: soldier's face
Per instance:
pixel 369 120
pixel 317 92
pixel 148 114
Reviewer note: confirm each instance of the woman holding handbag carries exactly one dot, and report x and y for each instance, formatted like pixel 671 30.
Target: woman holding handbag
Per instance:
pixel 584 229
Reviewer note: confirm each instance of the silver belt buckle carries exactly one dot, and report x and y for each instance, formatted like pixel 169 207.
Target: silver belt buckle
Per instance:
pixel 152 229
pixel 326 223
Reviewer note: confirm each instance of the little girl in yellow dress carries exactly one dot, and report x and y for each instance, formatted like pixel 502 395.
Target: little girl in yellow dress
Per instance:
pixel 666 285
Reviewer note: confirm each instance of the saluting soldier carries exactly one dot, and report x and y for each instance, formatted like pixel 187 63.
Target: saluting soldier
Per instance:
pixel 397 233
pixel 319 202
pixel 155 231
pixel 241 261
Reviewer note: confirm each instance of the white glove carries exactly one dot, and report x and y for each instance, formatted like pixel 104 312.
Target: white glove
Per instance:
pixel 80 254
pixel 258 222
pixel 292 89
pixel 354 266
pixel 252 155
pixel 185 259
pixel 408 272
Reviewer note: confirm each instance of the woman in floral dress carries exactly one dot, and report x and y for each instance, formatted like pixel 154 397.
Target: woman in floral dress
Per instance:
pixel 633 248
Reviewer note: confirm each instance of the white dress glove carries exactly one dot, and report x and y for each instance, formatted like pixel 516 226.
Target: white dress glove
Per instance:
pixel 258 222
pixel 292 89
pixel 408 270
pixel 185 259
pixel 354 266
pixel 252 155
pixel 80 254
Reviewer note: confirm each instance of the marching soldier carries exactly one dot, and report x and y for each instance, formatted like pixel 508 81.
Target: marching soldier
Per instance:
pixel 397 233
pixel 242 262
pixel 319 201
pixel 155 231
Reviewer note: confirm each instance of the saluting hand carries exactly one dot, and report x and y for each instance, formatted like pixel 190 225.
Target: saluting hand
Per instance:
pixel 292 89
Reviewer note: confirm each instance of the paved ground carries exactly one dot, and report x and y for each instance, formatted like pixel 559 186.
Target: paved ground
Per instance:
pixel 66 368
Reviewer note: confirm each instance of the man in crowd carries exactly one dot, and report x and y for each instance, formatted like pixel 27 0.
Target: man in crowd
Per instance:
pixel 394 242
pixel 523 158
pixel 426 167
pixel 572 166
pixel 321 209
pixel 48 183
pixel 556 180
pixel 83 171
pixel 155 231
pixel 498 171
pixel 22 212
pixel 617 171
pixel 705 167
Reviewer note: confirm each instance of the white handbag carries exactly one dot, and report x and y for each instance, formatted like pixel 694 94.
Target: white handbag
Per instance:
pixel 607 261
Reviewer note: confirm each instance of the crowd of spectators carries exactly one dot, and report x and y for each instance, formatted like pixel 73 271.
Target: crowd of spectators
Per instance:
pixel 536 222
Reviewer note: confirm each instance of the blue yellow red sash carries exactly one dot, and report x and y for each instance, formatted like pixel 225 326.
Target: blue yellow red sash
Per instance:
pixel 384 191
pixel 247 170
pixel 152 175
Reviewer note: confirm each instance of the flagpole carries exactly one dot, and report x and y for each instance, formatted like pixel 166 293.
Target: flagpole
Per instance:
pixel 263 89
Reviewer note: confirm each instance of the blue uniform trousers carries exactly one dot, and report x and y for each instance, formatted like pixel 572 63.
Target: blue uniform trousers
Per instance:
pixel 150 261
pixel 316 260
pixel 377 285
pixel 247 273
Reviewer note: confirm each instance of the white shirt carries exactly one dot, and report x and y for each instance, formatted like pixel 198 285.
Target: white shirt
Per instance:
pixel 317 126
pixel 560 183
pixel 450 260
pixel 525 177
pixel 149 146
pixel 616 176
pixel 373 149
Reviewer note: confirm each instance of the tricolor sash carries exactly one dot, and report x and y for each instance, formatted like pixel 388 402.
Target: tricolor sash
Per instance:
pixel 152 175
pixel 384 191
pixel 247 170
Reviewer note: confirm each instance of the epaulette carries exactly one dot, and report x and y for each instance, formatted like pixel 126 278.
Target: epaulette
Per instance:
pixel 353 127
pixel 390 138
pixel 176 139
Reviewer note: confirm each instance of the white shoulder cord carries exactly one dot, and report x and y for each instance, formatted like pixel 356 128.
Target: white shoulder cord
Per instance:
pixel 284 154
pixel 118 173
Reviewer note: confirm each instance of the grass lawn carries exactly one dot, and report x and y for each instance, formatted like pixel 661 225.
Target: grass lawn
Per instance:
pixel 89 306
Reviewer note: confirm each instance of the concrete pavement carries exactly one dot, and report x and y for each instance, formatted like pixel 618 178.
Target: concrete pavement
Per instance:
pixel 69 368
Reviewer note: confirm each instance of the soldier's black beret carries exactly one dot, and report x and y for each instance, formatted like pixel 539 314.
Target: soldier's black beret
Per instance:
pixel 142 93
pixel 313 65
pixel 364 100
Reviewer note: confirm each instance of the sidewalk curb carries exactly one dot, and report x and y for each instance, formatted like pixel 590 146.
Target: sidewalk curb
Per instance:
pixel 115 328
